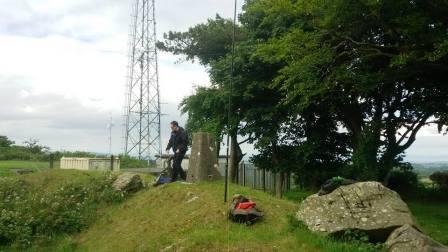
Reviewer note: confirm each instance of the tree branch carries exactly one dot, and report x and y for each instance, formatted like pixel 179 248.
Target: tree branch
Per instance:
pixel 413 135
pixel 247 140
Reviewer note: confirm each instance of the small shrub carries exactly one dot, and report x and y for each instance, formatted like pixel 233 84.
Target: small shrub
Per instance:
pixel 27 213
pixel 131 162
pixel 403 181
pixel 440 178
pixel 354 235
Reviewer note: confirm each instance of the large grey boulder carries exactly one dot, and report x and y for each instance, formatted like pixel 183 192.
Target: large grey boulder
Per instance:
pixel 409 239
pixel 128 183
pixel 203 164
pixel 366 206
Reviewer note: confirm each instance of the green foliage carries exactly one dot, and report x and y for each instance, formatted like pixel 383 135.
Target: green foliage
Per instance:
pixel 440 178
pixel 354 235
pixel 73 154
pixel 206 42
pixel 31 150
pixel 339 57
pixel 426 169
pixel 33 146
pixel 5 142
pixel 131 162
pixel 403 181
pixel 29 212
pixel 203 111
pixel 358 79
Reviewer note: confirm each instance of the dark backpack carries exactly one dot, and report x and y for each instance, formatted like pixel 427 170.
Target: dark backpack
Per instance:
pixel 243 210
pixel 334 183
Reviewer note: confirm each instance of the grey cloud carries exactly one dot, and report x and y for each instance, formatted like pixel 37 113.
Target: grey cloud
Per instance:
pixel 50 116
pixel 18 18
pixel 64 123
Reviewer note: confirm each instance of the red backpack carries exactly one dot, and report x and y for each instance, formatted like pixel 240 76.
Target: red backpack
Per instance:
pixel 243 210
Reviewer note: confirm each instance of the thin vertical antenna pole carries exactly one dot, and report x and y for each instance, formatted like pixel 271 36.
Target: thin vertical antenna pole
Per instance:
pixel 110 135
pixel 230 104
pixel 157 81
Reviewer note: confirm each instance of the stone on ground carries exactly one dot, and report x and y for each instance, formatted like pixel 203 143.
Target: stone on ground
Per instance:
pixel 128 183
pixel 203 164
pixel 365 206
pixel 409 239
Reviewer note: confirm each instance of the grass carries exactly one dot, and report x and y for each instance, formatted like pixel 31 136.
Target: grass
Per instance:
pixel 156 219
pixel 162 218
pixel 6 167
pixel 432 216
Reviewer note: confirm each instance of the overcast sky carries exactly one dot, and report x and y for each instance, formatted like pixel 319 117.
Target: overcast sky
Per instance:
pixel 63 67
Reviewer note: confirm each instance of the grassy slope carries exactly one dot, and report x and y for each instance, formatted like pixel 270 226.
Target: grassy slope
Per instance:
pixel 432 217
pixel 6 166
pixel 161 218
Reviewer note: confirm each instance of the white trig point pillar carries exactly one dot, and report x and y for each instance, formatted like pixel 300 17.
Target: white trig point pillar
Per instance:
pixel 203 164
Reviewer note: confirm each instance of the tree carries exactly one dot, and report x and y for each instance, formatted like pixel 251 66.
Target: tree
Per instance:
pixel 379 70
pixel 34 147
pixel 257 113
pixel 211 43
pixel 5 142
pixel 203 115
pixel 323 89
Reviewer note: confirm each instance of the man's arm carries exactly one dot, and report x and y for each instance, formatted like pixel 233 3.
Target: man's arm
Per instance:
pixel 182 145
pixel 170 142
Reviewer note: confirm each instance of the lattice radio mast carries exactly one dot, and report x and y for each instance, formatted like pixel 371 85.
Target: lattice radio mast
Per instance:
pixel 142 112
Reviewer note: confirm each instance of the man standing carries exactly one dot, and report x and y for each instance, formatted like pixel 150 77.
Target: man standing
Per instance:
pixel 179 144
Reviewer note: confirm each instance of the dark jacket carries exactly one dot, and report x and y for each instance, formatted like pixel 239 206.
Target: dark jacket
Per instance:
pixel 178 141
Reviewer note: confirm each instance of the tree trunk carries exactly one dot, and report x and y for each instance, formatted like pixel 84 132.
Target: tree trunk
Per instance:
pixel 365 157
pixel 279 177
pixel 279 180
pixel 235 158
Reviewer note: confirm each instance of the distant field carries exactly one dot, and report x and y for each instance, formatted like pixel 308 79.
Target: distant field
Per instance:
pixel 426 169
pixel 7 167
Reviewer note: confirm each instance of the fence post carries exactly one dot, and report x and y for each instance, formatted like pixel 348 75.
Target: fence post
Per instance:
pixel 264 180
pixel 274 181
pixel 244 174
pixel 112 163
pixel 255 178
pixel 238 172
pixel 51 160
pixel 269 181
pixel 240 165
